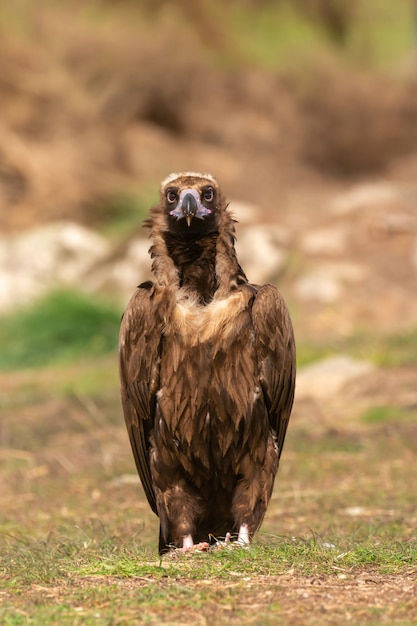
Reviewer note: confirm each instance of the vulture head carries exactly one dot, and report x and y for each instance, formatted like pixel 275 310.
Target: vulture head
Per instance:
pixel 193 237
pixel 191 202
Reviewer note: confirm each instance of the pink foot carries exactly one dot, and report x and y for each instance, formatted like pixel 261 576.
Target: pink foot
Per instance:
pixel 243 539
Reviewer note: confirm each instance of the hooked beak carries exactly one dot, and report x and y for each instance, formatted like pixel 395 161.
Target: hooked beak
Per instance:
pixel 189 206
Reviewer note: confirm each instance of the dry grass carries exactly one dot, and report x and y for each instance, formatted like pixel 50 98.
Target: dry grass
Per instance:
pixel 78 542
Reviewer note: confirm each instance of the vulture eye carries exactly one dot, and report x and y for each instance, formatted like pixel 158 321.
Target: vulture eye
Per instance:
pixel 208 194
pixel 171 196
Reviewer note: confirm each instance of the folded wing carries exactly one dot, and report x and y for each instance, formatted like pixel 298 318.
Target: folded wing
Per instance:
pixel 139 359
pixel 275 348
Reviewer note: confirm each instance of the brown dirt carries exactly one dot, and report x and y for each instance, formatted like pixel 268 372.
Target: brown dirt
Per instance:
pixel 341 598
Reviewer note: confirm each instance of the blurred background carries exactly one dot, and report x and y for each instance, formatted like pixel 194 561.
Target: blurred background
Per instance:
pixel 306 113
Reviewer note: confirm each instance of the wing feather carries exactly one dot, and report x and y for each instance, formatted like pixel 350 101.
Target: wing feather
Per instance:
pixel 139 359
pixel 275 347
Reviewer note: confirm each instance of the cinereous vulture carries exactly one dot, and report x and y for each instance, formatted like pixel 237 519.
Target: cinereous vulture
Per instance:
pixel 207 370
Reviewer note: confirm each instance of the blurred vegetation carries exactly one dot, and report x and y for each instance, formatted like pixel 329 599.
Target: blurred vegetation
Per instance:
pixel 385 350
pixel 66 326
pixel 59 328
pixel 123 212
pixel 279 34
pixel 386 414
pixel 96 95
pixel 267 32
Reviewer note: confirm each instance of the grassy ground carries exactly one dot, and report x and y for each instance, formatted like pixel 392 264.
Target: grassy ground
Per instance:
pixel 78 542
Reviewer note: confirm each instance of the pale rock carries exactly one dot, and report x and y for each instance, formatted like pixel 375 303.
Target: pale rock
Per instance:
pixel 46 257
pixel 260 251
pixel 325 241
pixel 355 511
pixel 364 196
pixel 326 282
pixel 121 276
pixel 244 212
pixel 328 377
pixel 319 287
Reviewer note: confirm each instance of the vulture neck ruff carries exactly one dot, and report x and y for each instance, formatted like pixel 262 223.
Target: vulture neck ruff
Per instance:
pixel 195 260
pixel 202 263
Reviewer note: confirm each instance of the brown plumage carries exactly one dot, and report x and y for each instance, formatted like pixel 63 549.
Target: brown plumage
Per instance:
pixel 207 370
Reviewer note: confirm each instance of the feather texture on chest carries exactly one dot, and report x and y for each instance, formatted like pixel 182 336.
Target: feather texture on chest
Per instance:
pixel 218 321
